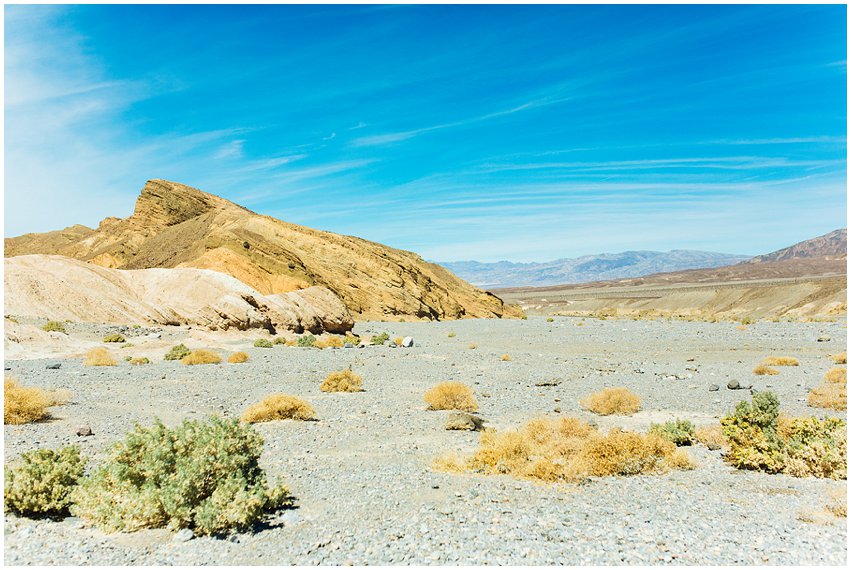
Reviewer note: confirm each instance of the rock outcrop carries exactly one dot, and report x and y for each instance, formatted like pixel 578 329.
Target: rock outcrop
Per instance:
pixel 61 288
pixel 176 226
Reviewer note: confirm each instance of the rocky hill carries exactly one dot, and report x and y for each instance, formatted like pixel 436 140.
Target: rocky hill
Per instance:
pixel 833 245
pixel 588 268
pixel 60 288
pixel 174 225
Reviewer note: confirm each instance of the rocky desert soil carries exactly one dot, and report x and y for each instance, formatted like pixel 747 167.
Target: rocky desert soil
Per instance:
pixel 366 492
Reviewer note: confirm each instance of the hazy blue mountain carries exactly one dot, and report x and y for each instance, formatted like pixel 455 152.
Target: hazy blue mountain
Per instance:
pixel 587 268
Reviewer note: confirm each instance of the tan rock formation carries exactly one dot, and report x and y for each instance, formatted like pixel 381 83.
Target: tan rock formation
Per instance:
pixel 177 226
pixel 61 288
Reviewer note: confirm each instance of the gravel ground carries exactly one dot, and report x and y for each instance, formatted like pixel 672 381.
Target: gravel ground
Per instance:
pixel 366 493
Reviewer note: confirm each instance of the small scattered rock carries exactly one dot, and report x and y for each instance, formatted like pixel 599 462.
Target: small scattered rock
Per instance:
pixel 183 535
pixel 464 421
pixel 551 382
pixel 733 385
pixel 823 339
pixel 54 366
pixel 348 345
pixel 408 342
pixel 714 387
pixel 84 431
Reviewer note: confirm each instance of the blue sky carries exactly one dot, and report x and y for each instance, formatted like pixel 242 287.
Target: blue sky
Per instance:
pixel 519 133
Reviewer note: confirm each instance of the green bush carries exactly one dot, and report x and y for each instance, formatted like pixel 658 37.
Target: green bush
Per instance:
pixel 679 432
pixel 262 343
pixel 550 319
pixel 114 338
pixel 762 439
pixel 54 326
pixel 352 338
pixel 42 483
pixel 199 475
pixel 279 340
pixel 177 352
pixel 380 339
pixel 306 341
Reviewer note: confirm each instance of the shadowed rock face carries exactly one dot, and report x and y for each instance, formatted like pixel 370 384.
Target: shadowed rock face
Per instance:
pixel 177 226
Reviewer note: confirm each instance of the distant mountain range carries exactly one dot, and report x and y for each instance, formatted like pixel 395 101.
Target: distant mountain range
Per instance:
pixel 588 268
pixel 833 245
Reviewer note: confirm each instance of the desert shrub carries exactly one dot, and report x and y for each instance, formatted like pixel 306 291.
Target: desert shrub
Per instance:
pixel 780 361
pixel 763 370
pixel 679 432
pixel 11 319
pixel 451 396
pixel 115 337
pixel 550 319
pixel 472 346
pixel 278 407
pixel 352 338
pixel 279 340
pixel 99 357
pixel 330 342
pixel 747 320
pixel 23 405
pixel 451 335
pixel 837 375
pixel 238 357
pixel 292 342
pixel 380 339
pixel 841 358
pixel 177 352
pixel 54 326
pixel 342 381
pixel 199 475
pixel 201 356
pixel 139 360
pixel 127 345
pixel 41 482
pixel 262 343
pixel 829 395
pixel 306 341
pixel 398 341
pixel 505 357
pixel 128 358
pixel 619 401
pixel 568 449
pixel 761 439
pixel 711 436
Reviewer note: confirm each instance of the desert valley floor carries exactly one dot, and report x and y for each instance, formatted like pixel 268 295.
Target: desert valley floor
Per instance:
pixel 362 474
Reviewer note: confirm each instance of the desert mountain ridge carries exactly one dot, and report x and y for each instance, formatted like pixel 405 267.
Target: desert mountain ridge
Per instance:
pixel 587 268
pixel 177 226
pixel 833 245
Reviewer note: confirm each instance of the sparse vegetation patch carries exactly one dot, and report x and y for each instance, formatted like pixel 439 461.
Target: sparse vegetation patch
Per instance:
pixel 23 404
pixel 763 370
pixel 779 361
pixel 306 341
pixel 177 352
pixel 201 356
pixel 380 339
pixel 342 381
pixel 679 432
pixel 199 475
pixel 262 343
pixel 114 338
pixel 238 357
pixel 618 401
pixel 278 407
pixel 41 481
pixel 567 450
pixel 54 326
pixel 99 357
pixel 762 439
pixel 451 396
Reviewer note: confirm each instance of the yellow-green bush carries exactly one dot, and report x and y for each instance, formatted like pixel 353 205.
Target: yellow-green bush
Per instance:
pixel 114 338
pixel 262 343
pixel 178 352
pixel 278 407
pixel 380 339
pixel 201 356
pixel 761 439
pixel 342 381
pixel 40 483
pixel 99 357
pixel 22 405
pixel 618 401
pixel 451 396
pixel 238 357
pixel 306 341
pixel 199 475
pixel 568 449
pixel 54 326
pixel 139 360
pixel 330 342
pixel 679 432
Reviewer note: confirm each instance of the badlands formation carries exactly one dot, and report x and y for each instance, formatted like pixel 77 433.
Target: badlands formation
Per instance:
pixel 175 226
